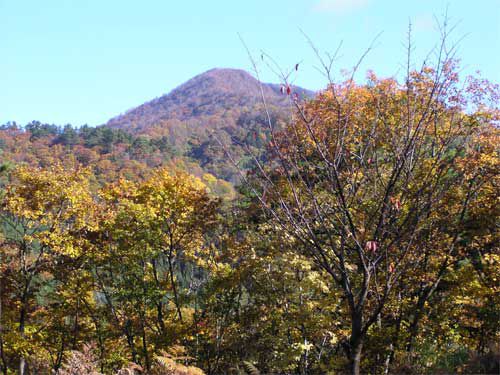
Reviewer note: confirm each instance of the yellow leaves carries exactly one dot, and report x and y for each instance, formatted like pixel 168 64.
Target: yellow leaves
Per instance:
pixel 166 211
pixel 209 178
pixel 463 300
pixel 125 223
pixel 492 260
pixel 351 267
pixel 333 338
pixel 302 346
pixel 55 201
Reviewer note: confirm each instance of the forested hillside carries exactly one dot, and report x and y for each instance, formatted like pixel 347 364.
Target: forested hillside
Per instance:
pixel 184 127
pixel 354 231
pixel 208 96
pixel 108 153
pixel 221 105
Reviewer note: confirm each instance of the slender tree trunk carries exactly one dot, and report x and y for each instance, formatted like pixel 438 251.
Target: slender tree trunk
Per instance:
pixel 174 287
pixel 392 348
pixel 22 366
pixel 356 343
pixel 22 323
pixel 395 338
pixel 130 340
pixel 2 354
pixel 145 346
pixel 60 354
pixel 356 349
pixel 413 329
pixel 75 327
pixel 159 304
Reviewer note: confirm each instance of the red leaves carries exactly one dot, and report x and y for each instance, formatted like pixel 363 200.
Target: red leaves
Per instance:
pixel 286 89
pixel 396 204
pixel 371 246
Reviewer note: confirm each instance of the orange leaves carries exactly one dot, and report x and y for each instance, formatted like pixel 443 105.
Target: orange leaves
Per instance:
pixel 391 268
pixel 396 204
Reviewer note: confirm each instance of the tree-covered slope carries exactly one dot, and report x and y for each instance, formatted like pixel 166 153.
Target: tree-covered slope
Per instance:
pixel 183 128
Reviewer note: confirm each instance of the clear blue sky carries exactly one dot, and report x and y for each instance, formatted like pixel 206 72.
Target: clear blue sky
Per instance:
pixel 85 61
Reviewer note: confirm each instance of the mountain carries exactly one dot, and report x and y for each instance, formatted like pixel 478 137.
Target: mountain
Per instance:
pixel 182 129
pixel 213 92
pixel 218 106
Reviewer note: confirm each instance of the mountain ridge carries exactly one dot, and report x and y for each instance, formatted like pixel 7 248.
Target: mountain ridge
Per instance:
pixel 206 94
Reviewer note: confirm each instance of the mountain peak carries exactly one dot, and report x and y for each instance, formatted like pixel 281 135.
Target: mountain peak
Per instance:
pixel 226 72
pixel 214 91
pixel 219 80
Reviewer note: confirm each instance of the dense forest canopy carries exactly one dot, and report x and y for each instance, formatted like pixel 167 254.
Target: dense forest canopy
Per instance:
pixel 183 128
pixel 355 231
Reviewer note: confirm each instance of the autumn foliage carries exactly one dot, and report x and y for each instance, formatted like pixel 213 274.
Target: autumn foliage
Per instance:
pixel 363 238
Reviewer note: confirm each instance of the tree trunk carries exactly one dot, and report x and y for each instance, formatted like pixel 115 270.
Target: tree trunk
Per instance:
pixel 22 366
pixel 174 287
pixel 145 347
pixel 355 359
pixel 159 304
pixel 395 338
pixel 2 354
pixel 356 343
pixel 22 323
pixel 413 329
pixel 130 340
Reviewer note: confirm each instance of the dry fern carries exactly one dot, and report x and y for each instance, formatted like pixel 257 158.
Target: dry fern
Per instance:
pixel 250 368
pixel 81 363
pixel 131 369
pixel 167 363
